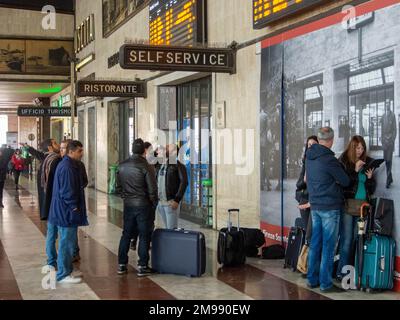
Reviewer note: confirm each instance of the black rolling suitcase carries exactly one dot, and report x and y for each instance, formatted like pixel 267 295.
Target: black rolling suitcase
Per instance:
pixel 178 252
pixel 297 236
pixel 231 244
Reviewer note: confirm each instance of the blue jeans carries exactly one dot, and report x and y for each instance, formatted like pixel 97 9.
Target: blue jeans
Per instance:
pixel 135 218
pixel 347 236
pixel 325 229
pixel 66 249
pixel 169 216
pixel 51 238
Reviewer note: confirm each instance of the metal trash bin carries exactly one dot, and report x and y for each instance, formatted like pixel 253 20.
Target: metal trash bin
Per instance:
pixel 208 195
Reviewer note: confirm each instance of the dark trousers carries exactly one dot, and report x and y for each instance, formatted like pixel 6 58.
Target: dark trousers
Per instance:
pixel 151 226
pixel 307 223
pixel 135 218
pixel 1 190
pixel 17 174
pixel 388 156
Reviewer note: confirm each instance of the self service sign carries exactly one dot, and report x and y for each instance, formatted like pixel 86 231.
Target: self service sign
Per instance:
pixel 164 58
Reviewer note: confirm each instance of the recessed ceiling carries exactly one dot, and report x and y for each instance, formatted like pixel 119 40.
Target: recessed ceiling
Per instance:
pixel 13 94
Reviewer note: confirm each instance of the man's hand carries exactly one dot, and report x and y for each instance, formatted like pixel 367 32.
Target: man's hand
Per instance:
pixel 304 206
pixel 173 204
pixel 23 144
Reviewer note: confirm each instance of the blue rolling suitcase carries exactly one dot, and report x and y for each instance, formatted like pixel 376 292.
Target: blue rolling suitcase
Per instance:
pixel 178 252
pixel 378 263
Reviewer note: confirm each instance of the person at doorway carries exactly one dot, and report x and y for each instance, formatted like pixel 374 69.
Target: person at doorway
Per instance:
pixel 172 183
pixel 18 167
pixel 47 146
pixel 388 137
pixel 149 154
pixel 5 158
pixel 68 209
pixel 325 180
pixel 302 193
pixel 360 190
pixel 137 184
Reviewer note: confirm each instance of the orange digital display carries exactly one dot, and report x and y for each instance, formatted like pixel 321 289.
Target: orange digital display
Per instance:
pixel 267 11
pixel 176 22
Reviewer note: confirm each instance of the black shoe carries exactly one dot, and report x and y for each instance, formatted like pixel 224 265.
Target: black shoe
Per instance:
pixel 333 289
pixel 144 271
pixel 1 205
pixel 122 269
pixel 304 275
pixel 133 244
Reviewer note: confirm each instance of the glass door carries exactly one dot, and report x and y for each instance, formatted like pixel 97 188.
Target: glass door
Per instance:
pixel 194 113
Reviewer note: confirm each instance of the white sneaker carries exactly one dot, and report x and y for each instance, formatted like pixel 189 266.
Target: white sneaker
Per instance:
pixel 77 273
pixel 71 280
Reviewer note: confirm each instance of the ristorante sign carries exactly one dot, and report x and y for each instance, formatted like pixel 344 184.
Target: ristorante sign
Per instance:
pixel 32 111
pixel 166 58
pixel 100 88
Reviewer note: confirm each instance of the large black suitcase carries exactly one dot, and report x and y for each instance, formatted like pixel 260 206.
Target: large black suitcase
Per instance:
pixel 231 244
pixel 297 236
pixel 381 221
pixel 178 252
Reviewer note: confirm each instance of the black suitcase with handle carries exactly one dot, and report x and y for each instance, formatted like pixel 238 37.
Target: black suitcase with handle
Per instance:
pixel 178 252
pixel 231 244
pixel 296 240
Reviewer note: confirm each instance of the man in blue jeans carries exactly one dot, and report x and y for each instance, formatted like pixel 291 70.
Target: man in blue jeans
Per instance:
pixel 136 182
pixel 68 209
pixel 325 179
pixel 172 183
pixel 52 230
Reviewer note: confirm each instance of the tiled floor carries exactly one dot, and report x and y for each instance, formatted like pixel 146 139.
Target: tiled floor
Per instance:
pixel 22 255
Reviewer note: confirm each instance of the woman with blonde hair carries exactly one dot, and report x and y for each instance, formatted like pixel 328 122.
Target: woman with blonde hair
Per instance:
pixel 362 186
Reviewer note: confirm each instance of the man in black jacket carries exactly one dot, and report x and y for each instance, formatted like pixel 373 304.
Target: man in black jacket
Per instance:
pixel 48 146
pixel 5 157
pixel 137 182
pixel 172 183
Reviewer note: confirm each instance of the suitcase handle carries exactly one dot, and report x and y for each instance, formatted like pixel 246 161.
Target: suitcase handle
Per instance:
pixel 363 206
pixel 229 218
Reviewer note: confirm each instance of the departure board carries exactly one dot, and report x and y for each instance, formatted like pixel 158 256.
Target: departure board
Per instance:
pixel 267 11
pixel 177 22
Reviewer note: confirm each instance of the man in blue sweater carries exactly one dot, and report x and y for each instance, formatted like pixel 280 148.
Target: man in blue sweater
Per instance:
pixel 68 209
pixel 325 178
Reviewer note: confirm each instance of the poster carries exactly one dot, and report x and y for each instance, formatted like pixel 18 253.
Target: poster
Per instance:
pixel 350 83
pixel 116 12
pixel 35 56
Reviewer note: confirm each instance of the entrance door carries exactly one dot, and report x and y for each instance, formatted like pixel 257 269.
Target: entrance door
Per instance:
pixel 126 111
pixel 91 149
pixel 194 113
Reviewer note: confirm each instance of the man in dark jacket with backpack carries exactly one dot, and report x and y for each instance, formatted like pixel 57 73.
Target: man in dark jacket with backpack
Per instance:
pixel 325 178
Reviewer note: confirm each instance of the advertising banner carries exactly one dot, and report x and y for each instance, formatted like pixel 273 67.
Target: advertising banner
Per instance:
pixel 330 73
